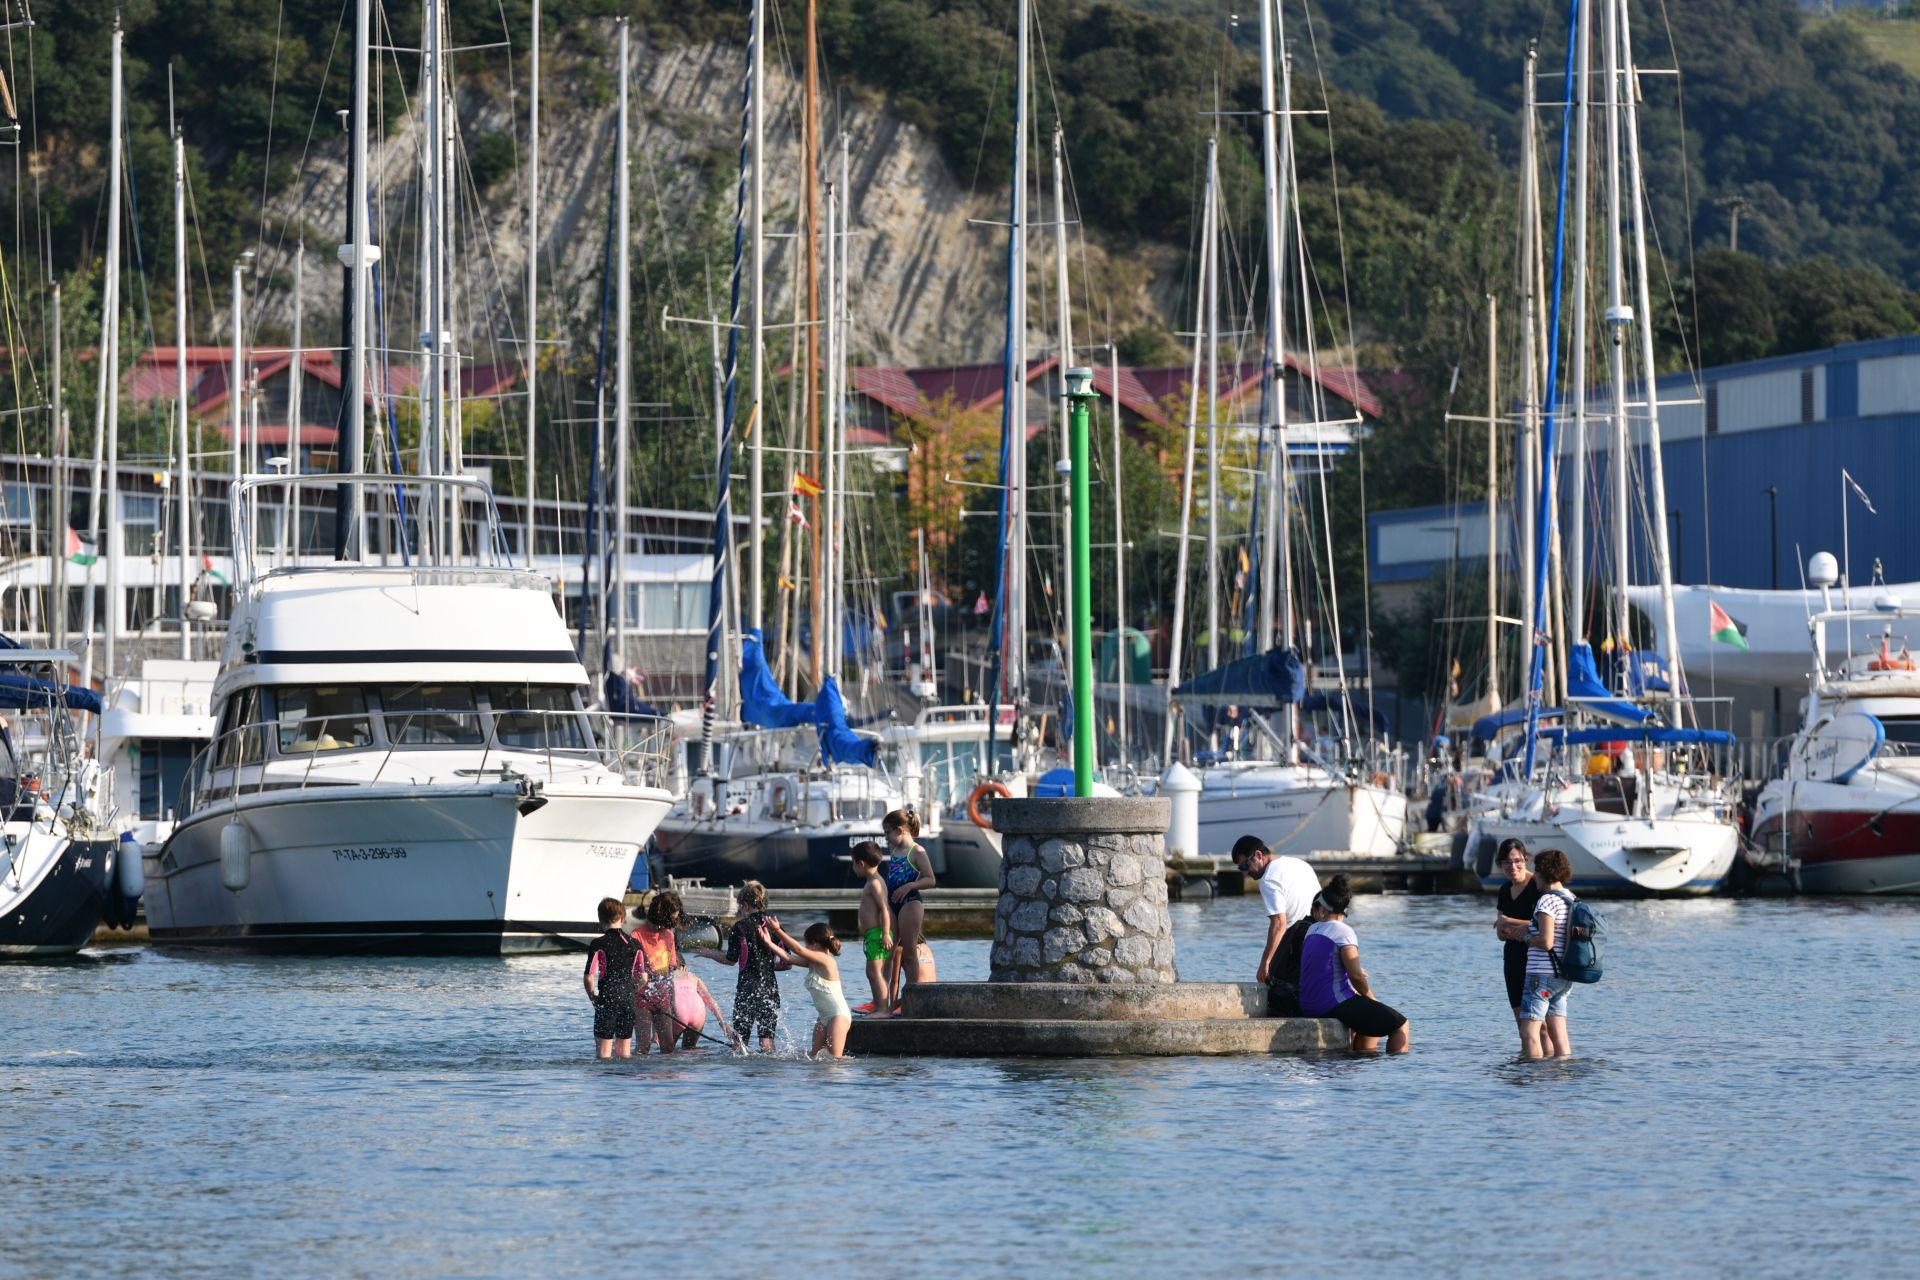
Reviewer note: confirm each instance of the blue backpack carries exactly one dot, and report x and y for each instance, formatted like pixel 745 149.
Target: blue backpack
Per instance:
pixel 1578 959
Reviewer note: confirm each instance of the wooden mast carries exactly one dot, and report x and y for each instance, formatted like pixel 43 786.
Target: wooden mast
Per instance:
pixel 810 153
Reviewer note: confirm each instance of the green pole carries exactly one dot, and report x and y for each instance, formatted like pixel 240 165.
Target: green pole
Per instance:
pixel 1080 398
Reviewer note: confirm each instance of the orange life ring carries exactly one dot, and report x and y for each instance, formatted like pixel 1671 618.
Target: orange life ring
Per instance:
pixel 973 801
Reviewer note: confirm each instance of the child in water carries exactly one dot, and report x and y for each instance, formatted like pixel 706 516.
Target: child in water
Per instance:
pixel 659 957
pixel 756 999
pixel 876 921
pixel 823 980
pixel 907 873
pixel 692 1002
pixel 611 962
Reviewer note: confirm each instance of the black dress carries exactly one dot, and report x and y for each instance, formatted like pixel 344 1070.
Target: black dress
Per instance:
pixel 1519 905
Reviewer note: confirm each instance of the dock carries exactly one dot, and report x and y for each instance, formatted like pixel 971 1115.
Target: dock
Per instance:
pixel 949 912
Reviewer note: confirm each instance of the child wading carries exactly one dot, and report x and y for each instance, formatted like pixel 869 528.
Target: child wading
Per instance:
pixel 756 999
pixel 907 873
pixel 659 956
pixel 876 923
pixel 609 979
pixel 823 981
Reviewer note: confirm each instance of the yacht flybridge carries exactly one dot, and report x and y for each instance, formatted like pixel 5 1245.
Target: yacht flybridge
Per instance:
pixel 404 758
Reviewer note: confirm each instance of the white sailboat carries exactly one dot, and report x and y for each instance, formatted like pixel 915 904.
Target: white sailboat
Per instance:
pixel 1297 798
pixel 404 760
pixel 1643 812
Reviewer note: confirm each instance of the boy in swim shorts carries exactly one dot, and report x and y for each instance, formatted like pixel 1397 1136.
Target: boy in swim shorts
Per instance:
pixel 876 922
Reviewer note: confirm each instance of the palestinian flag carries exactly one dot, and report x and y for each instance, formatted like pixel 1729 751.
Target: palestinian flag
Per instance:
pixel 804 483
pixel 77 549
pixel 1726 628
pixel 206 567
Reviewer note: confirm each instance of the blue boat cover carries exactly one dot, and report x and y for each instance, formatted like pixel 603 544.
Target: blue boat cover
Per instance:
pixel 1652 733
pixel 1584 685
pixel 839 744
pixel 18 693
pixel 1488 727
pixel 761 700
pixel 1271 679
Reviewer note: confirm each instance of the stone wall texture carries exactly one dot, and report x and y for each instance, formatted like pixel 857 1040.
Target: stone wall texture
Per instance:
pixel 1083 892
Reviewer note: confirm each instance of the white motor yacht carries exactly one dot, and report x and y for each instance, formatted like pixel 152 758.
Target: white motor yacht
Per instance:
pixel 404 760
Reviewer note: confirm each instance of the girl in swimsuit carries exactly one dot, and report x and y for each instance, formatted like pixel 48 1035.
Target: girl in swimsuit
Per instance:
pixel 823 981
pixel 659 956
pixel 907 872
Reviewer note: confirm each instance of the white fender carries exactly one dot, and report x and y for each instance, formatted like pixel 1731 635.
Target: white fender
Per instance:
pixel 236 856
pixel 128 873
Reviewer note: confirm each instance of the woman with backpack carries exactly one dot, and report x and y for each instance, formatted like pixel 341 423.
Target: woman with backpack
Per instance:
pixel 1543 1005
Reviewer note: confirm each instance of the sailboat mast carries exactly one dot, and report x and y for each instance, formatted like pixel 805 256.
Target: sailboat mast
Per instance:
pixel 62 516
pixel 296 386
pixel 842 338
pixel 1201 298
pixel 1119 566
pixel 622 372
pixel 756 415
pixel 1527 441
pixel 1274 570
pixel 1015 386
pixel 1493 505
pixel 810 234
pixel 359 254
pixel 1577 460
pixel 111 363
pixel 1619 316
pixel 1656 465
pixel 533 283
pixel 1210 290
pixel 183 497
pixel 828 620
pixel 1064 336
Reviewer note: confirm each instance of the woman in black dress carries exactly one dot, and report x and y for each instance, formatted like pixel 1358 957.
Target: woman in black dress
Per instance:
pixel 1514 915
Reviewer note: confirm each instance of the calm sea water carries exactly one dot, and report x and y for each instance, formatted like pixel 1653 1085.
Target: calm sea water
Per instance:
pixel 1743 1098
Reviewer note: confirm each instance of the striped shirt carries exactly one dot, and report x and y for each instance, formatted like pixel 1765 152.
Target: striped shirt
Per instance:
pixel 1554 907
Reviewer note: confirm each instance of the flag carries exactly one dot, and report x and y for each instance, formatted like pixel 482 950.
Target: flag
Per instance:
pixel 77 551
pixel 206 567
pixel 804 483
pixel 1726 628
pixel 1862 493
pixel 980 607
pixel 788 584
pixel 796 515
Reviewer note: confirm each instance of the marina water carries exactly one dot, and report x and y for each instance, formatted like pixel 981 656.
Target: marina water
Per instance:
pixel 1742 1098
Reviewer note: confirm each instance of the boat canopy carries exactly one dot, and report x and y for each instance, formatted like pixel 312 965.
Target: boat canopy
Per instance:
pixel 839 744
pixel 1646 733
pixel 1271 679
pixel 21 693
pixel 761 700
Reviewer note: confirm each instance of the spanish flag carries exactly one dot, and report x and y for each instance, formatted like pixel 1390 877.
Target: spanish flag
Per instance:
pixel 804 483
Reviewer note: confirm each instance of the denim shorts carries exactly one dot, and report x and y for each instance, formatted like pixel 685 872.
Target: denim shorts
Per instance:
pixel 1544 996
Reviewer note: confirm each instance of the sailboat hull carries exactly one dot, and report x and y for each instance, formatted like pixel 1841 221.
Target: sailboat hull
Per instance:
pixel 55 912
pixel 403 870
pixel 1298 812
pixel 779 856
pixel 1615 856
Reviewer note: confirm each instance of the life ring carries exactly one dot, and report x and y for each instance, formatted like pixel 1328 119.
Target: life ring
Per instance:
pixel 973 801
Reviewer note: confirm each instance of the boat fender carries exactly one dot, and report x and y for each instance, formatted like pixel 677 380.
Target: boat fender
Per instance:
pixel 236 856
pixel 978 816
pixel 128 873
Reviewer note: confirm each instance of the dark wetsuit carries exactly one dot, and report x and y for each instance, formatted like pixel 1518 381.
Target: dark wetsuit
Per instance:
pixel 756 1000
pixel 611 960
pixel 1518 906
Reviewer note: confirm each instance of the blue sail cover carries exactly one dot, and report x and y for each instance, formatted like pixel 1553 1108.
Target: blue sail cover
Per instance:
pixel 21 693
pixel 839 744
pixel 1486 728
pixel 761 701
pixel 1653 733
pixel 1271 679
pixel 1585 687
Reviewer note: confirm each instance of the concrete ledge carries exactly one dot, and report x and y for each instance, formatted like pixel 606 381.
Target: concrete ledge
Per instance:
pixel 994 1038
pixel 1082 816
pixel 1096 1002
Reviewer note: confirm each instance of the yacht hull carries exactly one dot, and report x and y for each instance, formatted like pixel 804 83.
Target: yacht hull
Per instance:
pixel 1860 849
pixel 458 869
pixel 59 897
pixel 1299 814
pixel 972 855
pixel 1617 856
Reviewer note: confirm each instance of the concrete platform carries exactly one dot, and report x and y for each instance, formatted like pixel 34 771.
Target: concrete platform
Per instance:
pixel 1076 1020
pixel 1065 1038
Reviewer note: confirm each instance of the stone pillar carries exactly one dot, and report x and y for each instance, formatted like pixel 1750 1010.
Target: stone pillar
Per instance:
pixel 1083 891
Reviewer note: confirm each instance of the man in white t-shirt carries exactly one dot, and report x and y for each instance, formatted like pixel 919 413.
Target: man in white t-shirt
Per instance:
pixel 1287 887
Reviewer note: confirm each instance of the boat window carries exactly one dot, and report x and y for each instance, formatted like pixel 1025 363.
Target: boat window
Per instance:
pixel 539 716
pixel 323 718
pixel 422 715
pixel 1904 730
pixel 242 735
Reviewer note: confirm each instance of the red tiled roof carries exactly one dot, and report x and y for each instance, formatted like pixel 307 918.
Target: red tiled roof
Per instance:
pixel 1242 379
pixel 153 375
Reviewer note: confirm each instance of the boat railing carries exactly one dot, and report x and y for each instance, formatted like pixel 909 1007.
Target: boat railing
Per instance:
pixel 412 523
pixel 526 749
